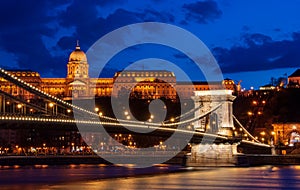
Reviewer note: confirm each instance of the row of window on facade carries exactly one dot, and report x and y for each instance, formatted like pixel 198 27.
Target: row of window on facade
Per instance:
pixel 145 74
pixel 25 74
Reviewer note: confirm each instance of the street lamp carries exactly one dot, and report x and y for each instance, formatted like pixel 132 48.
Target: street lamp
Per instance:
pixel 53 107
pixel 44 148
pixel 272 133
pixel 19 106
pixel 263 133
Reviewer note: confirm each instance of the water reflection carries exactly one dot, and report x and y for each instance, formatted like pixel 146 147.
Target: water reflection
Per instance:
pixel 99 177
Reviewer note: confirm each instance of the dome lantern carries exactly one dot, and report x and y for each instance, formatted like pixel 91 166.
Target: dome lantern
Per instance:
pixel 78 55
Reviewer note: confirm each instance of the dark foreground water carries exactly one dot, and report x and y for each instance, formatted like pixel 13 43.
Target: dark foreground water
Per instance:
pixel 160 177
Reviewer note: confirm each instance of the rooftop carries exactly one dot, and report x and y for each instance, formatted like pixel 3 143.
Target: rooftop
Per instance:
pixel 296 73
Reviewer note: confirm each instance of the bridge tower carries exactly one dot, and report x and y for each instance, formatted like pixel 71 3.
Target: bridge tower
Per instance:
pixel 218 122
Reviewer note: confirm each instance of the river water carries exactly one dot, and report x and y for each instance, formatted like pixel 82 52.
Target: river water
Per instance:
pixel 159 177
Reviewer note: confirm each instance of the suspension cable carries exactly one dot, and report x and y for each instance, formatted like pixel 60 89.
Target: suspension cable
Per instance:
pixel 238 122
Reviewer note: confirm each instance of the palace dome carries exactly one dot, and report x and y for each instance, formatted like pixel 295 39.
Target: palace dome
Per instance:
pixel 78 55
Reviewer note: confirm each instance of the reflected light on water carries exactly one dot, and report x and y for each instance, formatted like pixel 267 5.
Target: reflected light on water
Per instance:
pixel 99 177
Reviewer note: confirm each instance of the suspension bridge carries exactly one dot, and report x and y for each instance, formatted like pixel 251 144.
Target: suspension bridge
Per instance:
pixel 211 120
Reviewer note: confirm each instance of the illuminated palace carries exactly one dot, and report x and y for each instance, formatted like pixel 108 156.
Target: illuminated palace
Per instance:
pixel 149 84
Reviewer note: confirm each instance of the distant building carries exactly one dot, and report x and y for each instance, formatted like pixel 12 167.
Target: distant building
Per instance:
pixel 286 133
pixel 148 84
pixel 267 87
pixel 294 79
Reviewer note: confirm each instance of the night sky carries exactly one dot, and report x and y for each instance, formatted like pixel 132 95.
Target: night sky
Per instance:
pixel 252 40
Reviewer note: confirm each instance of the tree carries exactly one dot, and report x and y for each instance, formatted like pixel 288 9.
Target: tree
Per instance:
pixel 280 81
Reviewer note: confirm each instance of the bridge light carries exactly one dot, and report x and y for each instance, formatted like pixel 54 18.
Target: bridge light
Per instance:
pixel 51 104
pixel 68 111
pixel 125 112
pixel 172 119
pixel 100 114
pixel 96 109
pixel 254 102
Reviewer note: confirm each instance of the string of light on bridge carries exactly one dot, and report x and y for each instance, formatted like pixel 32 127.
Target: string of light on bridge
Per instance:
pixel 22 83
pixel 115 122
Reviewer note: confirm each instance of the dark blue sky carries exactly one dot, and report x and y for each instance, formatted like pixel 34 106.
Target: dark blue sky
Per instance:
pixel 252 40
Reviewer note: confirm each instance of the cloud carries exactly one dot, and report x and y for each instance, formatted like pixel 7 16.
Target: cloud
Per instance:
pixel 259 52
pixel 202 11
pixel 109 2
pixel 40 35
pixel 23 25
pixel 90 27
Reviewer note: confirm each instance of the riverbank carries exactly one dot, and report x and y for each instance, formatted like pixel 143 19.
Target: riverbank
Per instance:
pixel 74 159
pixel 258 160
pixel 180 160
